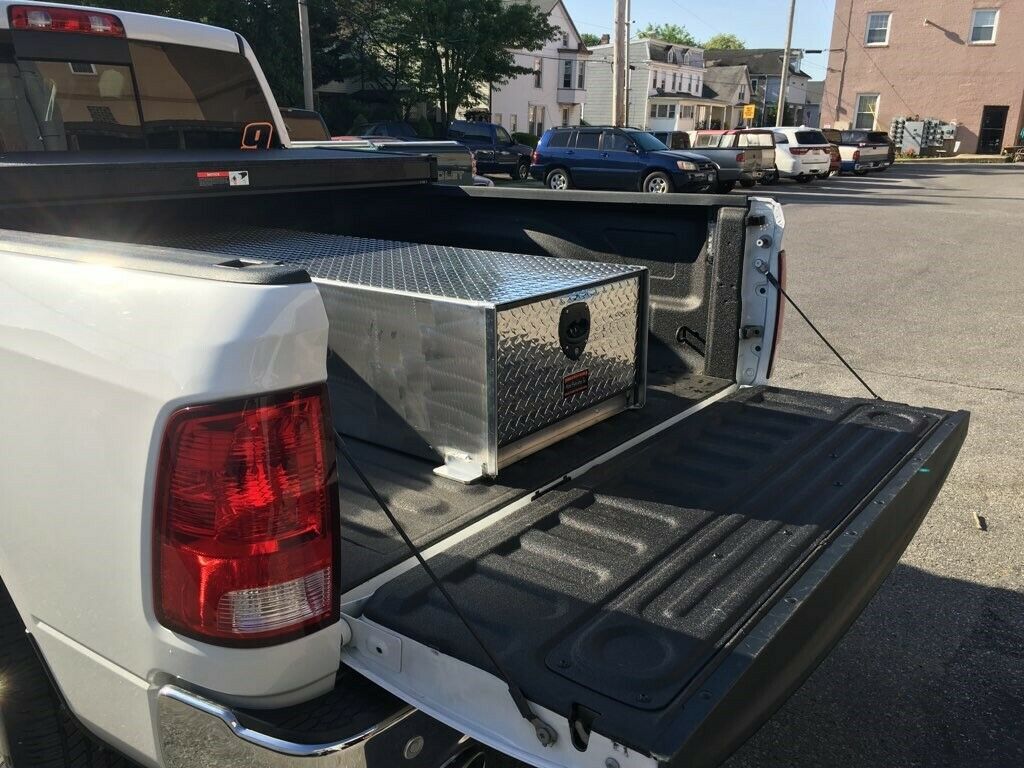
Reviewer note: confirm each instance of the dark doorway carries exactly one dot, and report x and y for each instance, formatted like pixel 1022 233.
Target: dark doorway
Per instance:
pixel 993 123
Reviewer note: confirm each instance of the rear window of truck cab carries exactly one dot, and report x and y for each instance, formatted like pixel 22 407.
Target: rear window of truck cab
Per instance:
pixel 116 94
pixel 810 137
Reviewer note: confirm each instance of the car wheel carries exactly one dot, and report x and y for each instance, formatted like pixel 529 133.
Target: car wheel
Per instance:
pixel 522 170
pixel 861 172
pixel 725 187
pixel 770 178
pixel 658 183
pixel 747 183
pixel 559 179
pixel 804 179
pixel 36 731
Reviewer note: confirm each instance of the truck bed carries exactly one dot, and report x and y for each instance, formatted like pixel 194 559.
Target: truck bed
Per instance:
pixel 622 592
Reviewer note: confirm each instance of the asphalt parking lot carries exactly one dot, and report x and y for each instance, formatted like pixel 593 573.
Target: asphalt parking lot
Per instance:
pixel 916 274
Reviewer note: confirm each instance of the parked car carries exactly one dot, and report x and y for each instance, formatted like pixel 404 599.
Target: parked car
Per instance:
pixel 802 154
pixel 395 129
pixel 861 151
pixel 306 129
pixel 492 146
pixel 603 157
pixel 193 574
pixel 735 165
pixel 672 139
pixel 835 160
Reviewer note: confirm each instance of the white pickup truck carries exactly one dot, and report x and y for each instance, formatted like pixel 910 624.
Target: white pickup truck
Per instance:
pixel 190 575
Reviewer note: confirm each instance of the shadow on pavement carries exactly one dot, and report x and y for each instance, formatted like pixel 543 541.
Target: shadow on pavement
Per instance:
pixel 931 674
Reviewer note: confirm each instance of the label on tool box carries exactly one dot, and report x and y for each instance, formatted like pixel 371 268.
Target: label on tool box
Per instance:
pixel 222 178
pixel 575 384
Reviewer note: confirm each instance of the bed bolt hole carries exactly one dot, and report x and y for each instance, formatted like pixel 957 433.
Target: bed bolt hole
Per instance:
pixel 762 291
pixel 379 650
pixel 838 483
pixel 792 600
pixel 851 533
pixel 563 664
pixel 833 455
pixel 705 695
pixel 643 698
pixel 757 348
pixel 787 532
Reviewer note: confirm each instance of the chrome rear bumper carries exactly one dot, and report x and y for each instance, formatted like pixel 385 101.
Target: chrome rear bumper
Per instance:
pixel 198 733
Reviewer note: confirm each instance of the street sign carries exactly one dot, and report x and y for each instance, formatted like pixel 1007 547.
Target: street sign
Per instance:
pixel 749 111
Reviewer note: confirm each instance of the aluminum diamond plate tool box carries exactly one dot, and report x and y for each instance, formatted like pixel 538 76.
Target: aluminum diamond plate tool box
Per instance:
pixel 473 358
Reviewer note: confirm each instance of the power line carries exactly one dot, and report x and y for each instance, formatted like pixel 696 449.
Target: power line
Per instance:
pixel 698 18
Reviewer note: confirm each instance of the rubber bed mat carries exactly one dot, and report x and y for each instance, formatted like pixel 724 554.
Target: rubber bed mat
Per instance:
pixel 612 593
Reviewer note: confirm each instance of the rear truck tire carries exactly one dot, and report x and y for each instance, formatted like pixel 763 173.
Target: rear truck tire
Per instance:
pixel 558 179
pixel 748 183
pixel 657 183
pixel 860 172
pixel 769 178
pixel 724 187
pixel 521 171
pixel 36 729
pixel 804 179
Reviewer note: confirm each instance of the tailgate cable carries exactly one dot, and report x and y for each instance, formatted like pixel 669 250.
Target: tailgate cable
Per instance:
pixel 546 735
pixel 778 286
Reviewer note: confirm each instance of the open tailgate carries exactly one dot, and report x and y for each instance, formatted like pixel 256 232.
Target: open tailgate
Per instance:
pixel 659 608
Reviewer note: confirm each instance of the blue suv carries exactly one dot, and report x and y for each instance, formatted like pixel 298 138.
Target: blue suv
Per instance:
pixel 595 157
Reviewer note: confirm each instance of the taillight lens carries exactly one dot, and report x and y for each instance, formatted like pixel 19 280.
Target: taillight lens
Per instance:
pixel 246 520
pixel 798 150
pixel 740 157
pixel 56 19
pixel 856 154
pixel 780 312
pixel 535 158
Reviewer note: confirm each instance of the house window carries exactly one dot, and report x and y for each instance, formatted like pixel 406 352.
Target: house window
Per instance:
pixel 566 111
pixel 664 79
pixel 867 111
pixel 673 82
pixel 537 72
pixel 743 94
pixel 672 110
pixel 513 122
pixel 536 118
pixel 878 29
pixel 567 74
pixel 654 110
pixel 565 39
pixel 581 81
pixel 686 111
pixel 497 118
pixel 983 25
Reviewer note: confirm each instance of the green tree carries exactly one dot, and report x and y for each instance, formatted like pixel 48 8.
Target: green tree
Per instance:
pixel 462 45
pixel 724 41
pixel 670 33
pixel 271 27
pixel 590 39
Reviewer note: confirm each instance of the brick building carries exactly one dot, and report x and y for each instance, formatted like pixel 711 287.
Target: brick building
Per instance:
pixel 956 60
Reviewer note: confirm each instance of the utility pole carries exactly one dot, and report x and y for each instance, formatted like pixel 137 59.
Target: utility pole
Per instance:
pixel 618 65
pixel 307 56
pixel 628 78
pixel 784 83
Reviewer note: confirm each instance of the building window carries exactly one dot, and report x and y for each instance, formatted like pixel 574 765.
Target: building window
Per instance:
pixel 983 25
pixel 664 79
pixel 753 86
pixel 566 111
pixel 672 110
pixel 513 122
pixel 743 94
pixel 878 29
pixel 497 118
pixel 674 84
pixel 867 111
pixel 654 110
pixel 536 118
pixel 567 74
pixel 537 72
pixel 581 80
pixel 565 39
pixel 654 78
pixel 686 112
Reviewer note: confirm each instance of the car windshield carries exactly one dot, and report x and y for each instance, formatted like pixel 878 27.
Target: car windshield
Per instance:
pixel 810 137
pixel 646 142
pixel 163 96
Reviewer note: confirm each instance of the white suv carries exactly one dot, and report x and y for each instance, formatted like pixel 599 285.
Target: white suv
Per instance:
pixel 801 153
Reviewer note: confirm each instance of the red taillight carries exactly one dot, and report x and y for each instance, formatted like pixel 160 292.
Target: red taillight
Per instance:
pixel 56 19
pixel 856 154
pixel 798 150
pixel 740 157
pixel 535 158
pixel 246 520
pixel 780 312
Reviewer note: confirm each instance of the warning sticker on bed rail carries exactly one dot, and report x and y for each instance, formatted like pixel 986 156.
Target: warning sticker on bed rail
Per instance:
pixel 222 178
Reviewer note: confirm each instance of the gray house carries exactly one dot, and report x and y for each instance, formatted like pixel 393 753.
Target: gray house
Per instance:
pixel 765 65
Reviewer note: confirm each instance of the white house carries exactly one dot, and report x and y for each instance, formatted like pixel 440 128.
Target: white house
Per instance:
pixel 662 78
pixel 554 91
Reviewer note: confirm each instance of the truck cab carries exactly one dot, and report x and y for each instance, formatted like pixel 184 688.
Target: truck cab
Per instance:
pixel 493 148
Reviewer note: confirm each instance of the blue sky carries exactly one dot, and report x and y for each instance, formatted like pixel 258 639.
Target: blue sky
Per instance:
pixel 759 23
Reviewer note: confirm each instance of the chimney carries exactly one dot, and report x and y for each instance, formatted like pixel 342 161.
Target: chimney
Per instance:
pixel 605 39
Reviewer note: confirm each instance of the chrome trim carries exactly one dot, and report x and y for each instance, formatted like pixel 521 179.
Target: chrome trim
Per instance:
pixel 195 732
